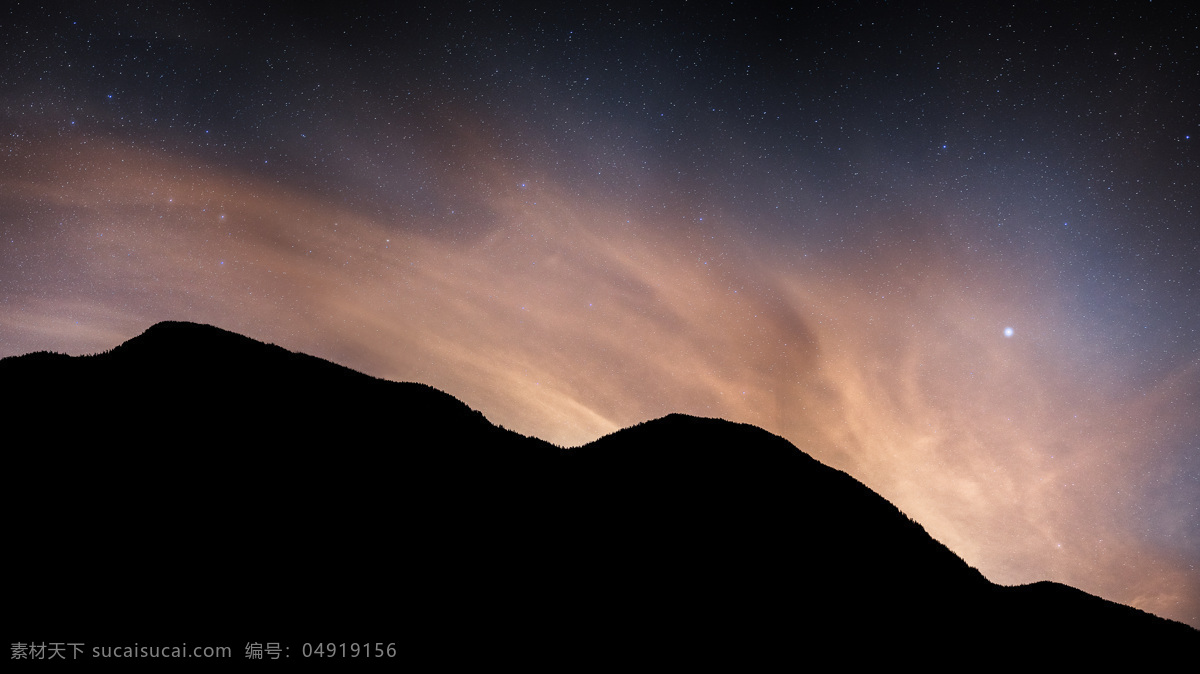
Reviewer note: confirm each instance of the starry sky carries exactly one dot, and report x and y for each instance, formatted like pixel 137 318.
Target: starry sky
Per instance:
pixel 950 250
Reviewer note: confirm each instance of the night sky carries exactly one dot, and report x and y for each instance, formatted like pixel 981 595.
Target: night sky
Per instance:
pixel 951 251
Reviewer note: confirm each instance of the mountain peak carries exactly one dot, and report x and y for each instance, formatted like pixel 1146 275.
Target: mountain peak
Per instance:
pixel 182 335
pixel 290 470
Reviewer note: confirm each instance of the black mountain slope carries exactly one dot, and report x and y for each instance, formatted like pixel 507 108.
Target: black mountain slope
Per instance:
pixel 192 483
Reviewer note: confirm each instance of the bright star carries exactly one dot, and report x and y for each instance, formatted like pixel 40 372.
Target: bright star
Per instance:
pixel 1008 332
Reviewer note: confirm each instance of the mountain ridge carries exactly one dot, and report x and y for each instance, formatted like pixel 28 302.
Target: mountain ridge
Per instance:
pixel 665 528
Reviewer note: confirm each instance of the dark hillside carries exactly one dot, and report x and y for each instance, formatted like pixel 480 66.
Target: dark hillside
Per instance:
pixel 195 483
pixel 194 475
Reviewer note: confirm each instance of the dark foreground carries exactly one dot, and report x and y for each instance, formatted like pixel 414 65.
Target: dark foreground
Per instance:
pixel 195 486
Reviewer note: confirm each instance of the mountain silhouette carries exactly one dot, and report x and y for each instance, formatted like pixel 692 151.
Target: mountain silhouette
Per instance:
pixel 193 483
